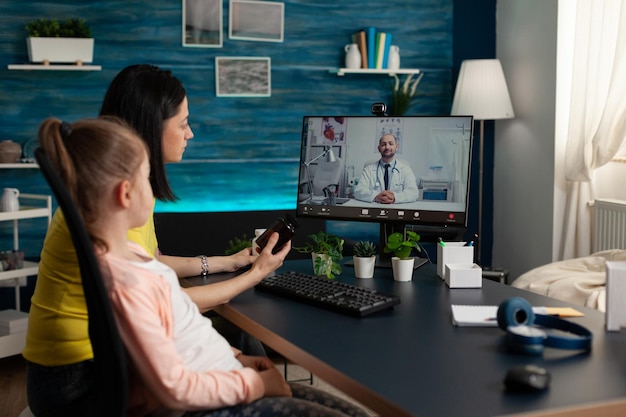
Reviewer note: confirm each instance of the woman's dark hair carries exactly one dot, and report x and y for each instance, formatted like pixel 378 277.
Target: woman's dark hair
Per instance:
pixel 145 96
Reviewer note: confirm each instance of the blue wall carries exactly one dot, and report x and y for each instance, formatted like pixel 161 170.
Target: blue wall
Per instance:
pixel 245 152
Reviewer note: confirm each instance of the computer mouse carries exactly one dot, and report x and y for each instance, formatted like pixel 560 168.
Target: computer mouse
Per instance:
pixel 527 378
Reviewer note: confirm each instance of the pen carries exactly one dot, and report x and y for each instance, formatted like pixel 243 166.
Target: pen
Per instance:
pixel 470 243
pixel 441 242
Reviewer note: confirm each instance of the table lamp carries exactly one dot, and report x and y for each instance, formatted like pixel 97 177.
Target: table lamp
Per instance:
pixel 330 157
pixel 481 91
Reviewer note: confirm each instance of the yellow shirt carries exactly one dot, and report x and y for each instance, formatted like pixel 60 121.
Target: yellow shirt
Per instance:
pixel 57 321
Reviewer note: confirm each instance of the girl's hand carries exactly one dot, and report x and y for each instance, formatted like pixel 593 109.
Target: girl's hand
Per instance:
pixel 275 384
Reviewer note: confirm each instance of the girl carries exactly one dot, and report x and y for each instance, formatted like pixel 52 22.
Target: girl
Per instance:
pixel 180 366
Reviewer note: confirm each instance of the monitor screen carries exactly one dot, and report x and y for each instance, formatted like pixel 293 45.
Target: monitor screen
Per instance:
pixel 405 170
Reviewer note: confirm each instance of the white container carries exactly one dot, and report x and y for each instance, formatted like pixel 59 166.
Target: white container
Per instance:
pixel 453 253
pixel 353 56
pixel 393 61
pixel 10 200
pixel 364 267
pixel 402 269
pixel 60 50
pixel 255 247
pixel 464 276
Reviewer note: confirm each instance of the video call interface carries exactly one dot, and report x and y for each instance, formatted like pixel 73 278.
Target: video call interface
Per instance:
pixel 412 169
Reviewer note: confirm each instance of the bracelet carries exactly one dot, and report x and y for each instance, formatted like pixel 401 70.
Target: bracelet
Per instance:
pixel 205 265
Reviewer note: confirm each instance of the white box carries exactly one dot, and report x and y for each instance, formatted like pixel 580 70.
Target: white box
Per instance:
pixel 615 295
pixel 13 321
pixel 464 276
pixel 453 253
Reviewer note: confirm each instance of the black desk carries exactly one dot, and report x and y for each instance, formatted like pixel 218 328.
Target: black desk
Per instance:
pixel 412 361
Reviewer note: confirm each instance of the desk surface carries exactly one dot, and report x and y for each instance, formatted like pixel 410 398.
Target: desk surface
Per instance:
pixel 412 361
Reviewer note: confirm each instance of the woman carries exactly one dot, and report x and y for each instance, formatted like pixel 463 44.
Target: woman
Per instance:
pixel 154 103
pixel 180 366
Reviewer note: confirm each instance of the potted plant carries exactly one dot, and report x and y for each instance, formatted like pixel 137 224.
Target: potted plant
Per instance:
pixel 54 41
pixel 402 245
pixel 237 244
pixel 326 251
pixel 364 259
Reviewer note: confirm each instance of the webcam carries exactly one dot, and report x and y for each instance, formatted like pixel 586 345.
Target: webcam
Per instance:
pixel 379 109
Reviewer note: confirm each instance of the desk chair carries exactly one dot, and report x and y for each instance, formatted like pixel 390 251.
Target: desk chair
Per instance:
pixel 109 354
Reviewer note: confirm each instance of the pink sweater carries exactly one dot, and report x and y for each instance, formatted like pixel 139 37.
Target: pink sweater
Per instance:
pixel 178 360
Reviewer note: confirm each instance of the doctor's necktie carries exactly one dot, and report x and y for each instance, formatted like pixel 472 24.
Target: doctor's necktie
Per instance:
pixel 386 176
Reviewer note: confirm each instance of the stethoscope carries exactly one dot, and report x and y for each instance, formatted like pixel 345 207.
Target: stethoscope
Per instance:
pixel 379 166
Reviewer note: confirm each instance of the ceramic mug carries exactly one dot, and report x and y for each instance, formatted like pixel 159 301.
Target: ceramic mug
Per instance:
pixel 10 200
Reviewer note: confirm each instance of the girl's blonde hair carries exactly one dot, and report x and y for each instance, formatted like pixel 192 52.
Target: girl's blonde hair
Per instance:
pixel 90 155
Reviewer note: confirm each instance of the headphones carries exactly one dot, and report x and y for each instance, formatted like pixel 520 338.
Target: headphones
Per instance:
pixel 516 318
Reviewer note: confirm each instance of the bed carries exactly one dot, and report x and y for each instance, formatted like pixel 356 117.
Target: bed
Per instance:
pixel 579 280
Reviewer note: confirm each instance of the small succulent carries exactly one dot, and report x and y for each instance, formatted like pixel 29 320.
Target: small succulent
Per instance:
pixel 364 249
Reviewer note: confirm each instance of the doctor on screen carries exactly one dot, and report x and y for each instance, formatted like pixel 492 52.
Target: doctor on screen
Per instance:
pixel 387 180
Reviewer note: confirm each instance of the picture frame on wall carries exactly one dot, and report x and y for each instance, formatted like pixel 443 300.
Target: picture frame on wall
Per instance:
pixel 202 23
pixel 261 21
pixel 243 77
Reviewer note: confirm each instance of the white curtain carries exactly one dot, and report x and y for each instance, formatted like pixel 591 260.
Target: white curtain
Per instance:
pixel 597 113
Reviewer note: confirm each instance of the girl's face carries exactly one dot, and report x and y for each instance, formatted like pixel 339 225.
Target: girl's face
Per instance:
pixel 176 133
pixel 142 190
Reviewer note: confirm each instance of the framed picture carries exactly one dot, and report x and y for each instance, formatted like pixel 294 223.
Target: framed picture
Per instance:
pixel 261 21
pixel 242 77
pixel 202 23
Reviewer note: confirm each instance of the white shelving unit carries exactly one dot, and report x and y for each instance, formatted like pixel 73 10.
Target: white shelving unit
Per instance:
pixel 18 165
pixel 391 72
pixel 14 343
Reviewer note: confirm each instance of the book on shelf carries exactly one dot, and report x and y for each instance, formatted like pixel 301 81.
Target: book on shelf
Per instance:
pixel 380 49
pixel 371 47
pixel 386 51
pixel 361 41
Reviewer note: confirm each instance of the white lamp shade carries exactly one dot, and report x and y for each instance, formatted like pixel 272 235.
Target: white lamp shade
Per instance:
pixel 481 91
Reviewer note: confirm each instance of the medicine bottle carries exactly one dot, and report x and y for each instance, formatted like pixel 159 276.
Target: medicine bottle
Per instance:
pixel 255 246
pixel 285 227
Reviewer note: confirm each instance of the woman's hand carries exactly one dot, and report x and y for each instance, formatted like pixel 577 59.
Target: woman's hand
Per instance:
pixel 267 262
pixel 238 260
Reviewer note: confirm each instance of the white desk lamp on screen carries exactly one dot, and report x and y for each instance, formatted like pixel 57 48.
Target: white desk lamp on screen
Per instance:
pixel 328 151
pixel 481 91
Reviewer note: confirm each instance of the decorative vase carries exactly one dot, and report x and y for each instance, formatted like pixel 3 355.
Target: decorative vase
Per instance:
pixel 10 151
pixel 364 266
pixel 353 56
pixel 402 269
pixel 10 200
pixel 393 61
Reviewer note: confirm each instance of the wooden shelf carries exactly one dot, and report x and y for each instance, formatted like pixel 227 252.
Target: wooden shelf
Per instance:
pixel 53 67
pixel 390 72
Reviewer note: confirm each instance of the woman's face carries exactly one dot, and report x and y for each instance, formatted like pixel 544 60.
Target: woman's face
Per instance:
pixel 176 133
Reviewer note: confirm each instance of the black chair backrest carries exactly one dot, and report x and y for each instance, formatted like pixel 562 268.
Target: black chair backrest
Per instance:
pixel 108 349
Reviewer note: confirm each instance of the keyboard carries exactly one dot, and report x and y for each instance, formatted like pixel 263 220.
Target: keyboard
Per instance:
pixel 329 294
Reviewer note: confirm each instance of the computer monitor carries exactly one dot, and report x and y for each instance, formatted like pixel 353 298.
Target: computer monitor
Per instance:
pixel 342 172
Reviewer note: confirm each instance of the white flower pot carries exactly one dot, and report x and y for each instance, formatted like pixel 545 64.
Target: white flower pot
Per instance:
pixel 326 263
pixel 60 50
pixel 364 267
pixel 402 268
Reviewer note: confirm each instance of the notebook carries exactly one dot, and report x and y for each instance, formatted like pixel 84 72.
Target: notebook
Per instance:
pixel 485 316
